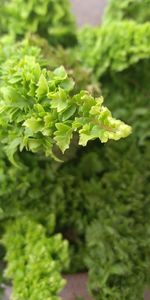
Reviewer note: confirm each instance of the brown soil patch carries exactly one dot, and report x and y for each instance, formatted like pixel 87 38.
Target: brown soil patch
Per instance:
pixel 76 287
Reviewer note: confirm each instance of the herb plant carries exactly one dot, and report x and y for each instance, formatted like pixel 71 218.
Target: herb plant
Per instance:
pixel 128 9
pixel 39 110
pixel 34 260
pixel 61 202
pixel 50 19
pixel 120 58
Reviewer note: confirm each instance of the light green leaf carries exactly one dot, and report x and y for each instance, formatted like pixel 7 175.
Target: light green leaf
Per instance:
pixel 69 112
pixel 12 148
pixel 60 73
pixel 42 87
pixel 67 84
pixel 34 124
pixel 63 136
pixel 85 135
pixel 59 100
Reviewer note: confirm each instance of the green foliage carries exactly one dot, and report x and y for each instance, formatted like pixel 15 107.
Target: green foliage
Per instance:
pixel 130 97
pixel 77 192
pixel 120 59
pixel 40 110
pixel 56 56
pixel 118 235
pixel 99 198
pixel 32 95
pixel 50 57
pixel 118 255
pixel 138 10
pixel 114 46
pixel 35 260
pixel 50 19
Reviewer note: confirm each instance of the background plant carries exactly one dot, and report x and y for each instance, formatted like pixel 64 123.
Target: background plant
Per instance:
pixel 128 9
pixel 97 198
pixel 50 19
pixel 34 260
pixel 118 53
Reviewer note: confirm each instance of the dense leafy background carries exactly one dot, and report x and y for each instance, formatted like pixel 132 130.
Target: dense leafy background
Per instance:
pixel 119 55
pixel 50 19
pixel 114 46
pixel 138 10
pixel 99 198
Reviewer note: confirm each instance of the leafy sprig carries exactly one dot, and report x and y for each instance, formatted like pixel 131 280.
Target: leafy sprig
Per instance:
pixel 50 19
pixel 39 110
pixel 114 46
pixel 128 9
pixel 35 260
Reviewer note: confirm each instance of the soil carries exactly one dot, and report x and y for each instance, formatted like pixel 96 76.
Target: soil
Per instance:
pixel 147 295
pixel 76 287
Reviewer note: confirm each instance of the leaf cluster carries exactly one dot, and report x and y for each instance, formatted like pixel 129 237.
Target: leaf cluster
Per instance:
pixel 87 189
pixel 39 110
pixel 35 260
pixel 99 198
pixel 56 56
pixel 128 9
pixel 115 46
pixel 118 236
pixel 119 54
pixel 50 19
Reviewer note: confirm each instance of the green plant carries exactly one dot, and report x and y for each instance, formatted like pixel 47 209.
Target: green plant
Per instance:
pixel 96 197
pixel 114 47
pixel 50 19
pixel 35 259
pixel 118 234
pixel 91 188
pixel 128 9
pixel 123 72
pixel 119 55
pixel 55 56
pixel 38 112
